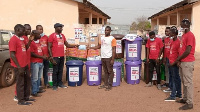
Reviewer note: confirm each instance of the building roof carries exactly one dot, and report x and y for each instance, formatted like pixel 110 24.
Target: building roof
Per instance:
pixel 175 6
pixel 92 7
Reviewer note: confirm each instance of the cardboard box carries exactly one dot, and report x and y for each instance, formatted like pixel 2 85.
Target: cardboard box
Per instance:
pixel 92 53
pixel 93 41
pixel 82 53
pixel 73 52
pixel 83 40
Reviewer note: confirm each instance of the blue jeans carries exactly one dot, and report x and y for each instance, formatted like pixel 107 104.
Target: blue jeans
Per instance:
pixel 45 71
pixel 176 82
pixel 36 74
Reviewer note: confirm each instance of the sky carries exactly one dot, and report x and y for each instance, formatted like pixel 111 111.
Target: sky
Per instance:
pixel 126 11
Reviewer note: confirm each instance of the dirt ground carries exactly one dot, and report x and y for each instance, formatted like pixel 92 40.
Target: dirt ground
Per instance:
pixel 125 98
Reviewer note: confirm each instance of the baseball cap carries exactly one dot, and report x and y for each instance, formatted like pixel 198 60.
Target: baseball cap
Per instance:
pixel 58 25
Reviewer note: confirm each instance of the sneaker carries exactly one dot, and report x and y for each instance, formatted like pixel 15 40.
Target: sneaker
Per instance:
pixel 41 91
pixel 15 98
pixel 168 90
pixel 36 95
pixel 170 99
pixel 102 87
pixel 181 101
pixel 164 85
pixel 186 107
pixel 149 84
pixel 108 88
pixel 47 86
pixel 62 86
pixel 55 88
pixel 30 100
pixel 177 96
pixel 159 87
pixel 24 103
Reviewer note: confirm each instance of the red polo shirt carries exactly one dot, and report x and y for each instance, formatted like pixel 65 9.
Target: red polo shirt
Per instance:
pixel 188 39
pixel 167 42
pixel 28 50
pixel 17 44
pixel 174 50
pixel 154 47
pixel 36 49
pixel 57 44
pixel 44 44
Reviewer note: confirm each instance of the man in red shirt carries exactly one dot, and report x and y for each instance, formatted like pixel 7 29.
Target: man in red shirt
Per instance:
pixel 27 42
pixel 44 45
pixel 36 64
pixel 154 50
pixel 167 42
pixel 186 63
pixel 174 69
pixel 56 44
pixel 18 57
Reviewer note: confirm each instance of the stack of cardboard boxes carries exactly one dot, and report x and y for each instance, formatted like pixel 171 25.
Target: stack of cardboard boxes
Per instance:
pixel 92 41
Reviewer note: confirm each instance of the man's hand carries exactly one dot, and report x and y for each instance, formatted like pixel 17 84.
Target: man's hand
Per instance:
pixel 179 64
pixel 147 60
pixel 157 61
pixel 31 38
pixel 45 57
pixel 172 64
pixel 52 61
pixel 75 46
pixel 164 61
pixel 21 70
pixel 112 62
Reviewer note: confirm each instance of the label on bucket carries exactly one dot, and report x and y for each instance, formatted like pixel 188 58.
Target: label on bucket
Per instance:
pixel 115 77
pixel 135 73
pixel 132 50
pixel 154 75
pixel 119 46
pixel 50 72
pixel 93 74
pixel 74 74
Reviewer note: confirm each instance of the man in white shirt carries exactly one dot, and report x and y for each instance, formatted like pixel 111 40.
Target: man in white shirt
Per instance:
pixel 108 49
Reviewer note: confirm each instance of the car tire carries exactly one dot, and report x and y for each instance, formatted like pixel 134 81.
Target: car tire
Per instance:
pixel 7 77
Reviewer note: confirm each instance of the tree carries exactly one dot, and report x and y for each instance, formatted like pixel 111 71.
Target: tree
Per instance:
pixel 141 24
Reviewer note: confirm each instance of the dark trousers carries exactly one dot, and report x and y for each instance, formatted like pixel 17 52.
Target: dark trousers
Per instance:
pixel 169 73
pixel 175 82
pixel 45 71
pixel 58 71
pixel 23 84
pixel 108 71
pixel 152 65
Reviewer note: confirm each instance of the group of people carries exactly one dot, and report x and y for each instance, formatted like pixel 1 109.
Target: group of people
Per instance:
pixel 30 58
pixel 178 58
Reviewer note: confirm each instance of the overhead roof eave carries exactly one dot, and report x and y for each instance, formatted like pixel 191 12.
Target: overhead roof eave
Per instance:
pixel 173 7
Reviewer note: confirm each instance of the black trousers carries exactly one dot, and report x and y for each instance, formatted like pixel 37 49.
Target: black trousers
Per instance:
pixel 58 71
pixel 152 65
pixel 108 71
pixel 23 84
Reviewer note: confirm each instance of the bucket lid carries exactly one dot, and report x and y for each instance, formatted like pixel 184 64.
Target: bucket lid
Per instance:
pixel 117 64
pixel 94 62
pixel 133 62
pixel 118 36
pixel 74 62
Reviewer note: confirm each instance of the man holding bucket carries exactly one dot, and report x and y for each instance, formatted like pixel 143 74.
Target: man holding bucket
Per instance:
pixel 108 50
